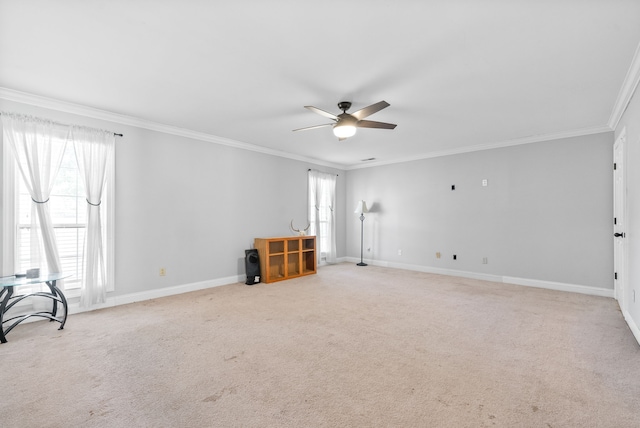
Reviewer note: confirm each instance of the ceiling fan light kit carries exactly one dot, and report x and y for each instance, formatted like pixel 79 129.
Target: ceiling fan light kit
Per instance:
pixel 346 124
pixel 344 131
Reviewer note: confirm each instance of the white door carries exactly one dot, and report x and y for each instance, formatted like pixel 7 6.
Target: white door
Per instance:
pixel 619 222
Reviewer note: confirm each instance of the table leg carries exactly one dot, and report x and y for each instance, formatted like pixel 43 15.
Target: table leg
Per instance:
pixel 7 291
pixel 58 293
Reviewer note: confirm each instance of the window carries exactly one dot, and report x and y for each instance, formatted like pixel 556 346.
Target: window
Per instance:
pixel 322 196
pixel 68 211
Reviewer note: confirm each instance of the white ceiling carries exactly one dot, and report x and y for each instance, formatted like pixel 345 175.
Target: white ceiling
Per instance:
pixel 458 74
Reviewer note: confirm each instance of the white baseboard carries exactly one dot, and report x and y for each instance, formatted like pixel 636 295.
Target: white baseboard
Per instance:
pixel 632 325
pixel 559 286
pixel 75 308
pixel 185 288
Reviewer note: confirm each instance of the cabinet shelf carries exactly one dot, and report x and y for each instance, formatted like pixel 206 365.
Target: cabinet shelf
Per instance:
pixel 286 257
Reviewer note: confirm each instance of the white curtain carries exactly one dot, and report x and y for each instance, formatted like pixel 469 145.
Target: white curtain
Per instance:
pixel 38 146
pixel 322 202
pixel 93 149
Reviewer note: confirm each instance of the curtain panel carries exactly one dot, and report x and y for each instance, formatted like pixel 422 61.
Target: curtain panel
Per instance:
pixel 322 202
pixel 94 149
pixel 38 146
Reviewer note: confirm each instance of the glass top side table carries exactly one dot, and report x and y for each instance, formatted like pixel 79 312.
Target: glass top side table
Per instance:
pixel 8 299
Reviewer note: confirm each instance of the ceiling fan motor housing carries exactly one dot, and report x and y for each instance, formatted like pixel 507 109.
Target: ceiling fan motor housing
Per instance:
pixel 345 119
pixel 344 105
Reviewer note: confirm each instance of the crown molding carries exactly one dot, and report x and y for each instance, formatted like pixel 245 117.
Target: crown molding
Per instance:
pixel 627 90
pixel 478 147
pixel 80 110
pixel 77 109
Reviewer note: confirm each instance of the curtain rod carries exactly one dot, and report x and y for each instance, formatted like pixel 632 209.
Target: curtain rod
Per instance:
pixel 115 134
pixel 337 175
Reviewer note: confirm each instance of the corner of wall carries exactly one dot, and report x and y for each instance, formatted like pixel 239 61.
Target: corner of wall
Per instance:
pixel 628 89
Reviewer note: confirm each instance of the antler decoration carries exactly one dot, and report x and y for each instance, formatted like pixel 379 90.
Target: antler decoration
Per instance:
pixel 298 231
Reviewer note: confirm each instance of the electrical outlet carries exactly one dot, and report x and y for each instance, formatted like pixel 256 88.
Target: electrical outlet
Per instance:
pixel 485 182
pixel 163 271
pixel 438 255
pixel 485 260
pixel 399 252
pixel 455 257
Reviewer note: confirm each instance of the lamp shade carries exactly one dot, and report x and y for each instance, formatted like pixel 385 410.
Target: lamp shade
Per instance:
pixel 361 208
pixel 344 131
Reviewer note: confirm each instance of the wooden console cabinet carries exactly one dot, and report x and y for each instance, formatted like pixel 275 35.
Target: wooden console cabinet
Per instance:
pixel 287 257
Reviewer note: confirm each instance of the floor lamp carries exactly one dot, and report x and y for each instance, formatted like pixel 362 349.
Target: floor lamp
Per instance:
pixel 361 209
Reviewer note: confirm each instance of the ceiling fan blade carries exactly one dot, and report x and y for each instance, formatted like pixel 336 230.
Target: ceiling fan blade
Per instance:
pixel 322 112
pixel 372 124
pixel 368 111
pixel 313 127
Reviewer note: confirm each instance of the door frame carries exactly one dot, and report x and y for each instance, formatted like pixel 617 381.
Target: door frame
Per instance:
pixel 620 210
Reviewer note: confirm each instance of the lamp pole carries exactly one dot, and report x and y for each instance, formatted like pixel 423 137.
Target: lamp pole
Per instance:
pixel 362 263
pixel 361 208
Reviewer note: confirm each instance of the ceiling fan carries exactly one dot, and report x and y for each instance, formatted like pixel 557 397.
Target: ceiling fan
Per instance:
pixel 345 124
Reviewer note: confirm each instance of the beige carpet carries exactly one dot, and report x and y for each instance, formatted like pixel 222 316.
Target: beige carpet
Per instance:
pixel 349 347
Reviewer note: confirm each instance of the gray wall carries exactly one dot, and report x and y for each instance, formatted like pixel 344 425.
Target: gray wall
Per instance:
pixel 545 215
pixel 631 121
pixel 191 206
